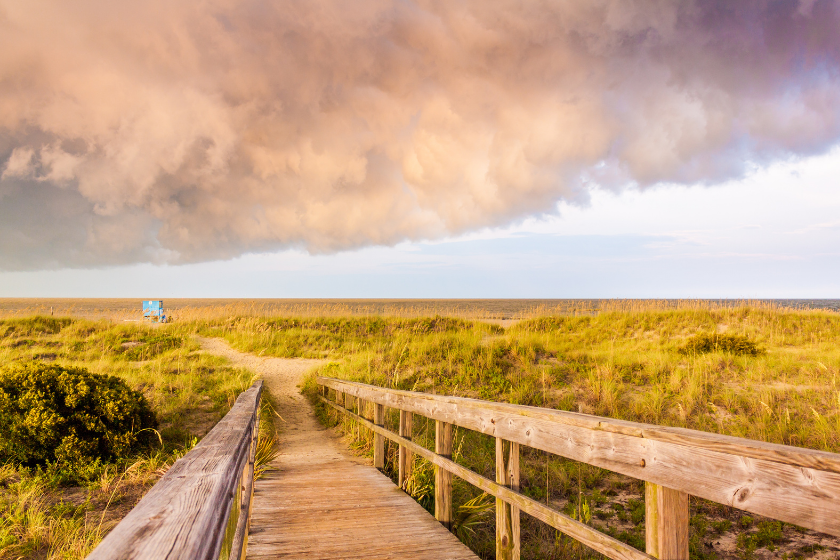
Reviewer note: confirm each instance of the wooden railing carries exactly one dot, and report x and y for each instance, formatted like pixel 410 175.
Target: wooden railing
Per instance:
pixel 200 509
pixel 791 484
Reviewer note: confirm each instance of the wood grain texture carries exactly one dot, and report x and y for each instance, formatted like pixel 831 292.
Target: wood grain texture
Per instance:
pixel 504 530
pixel 379 439
pixel 795 485
pixel 361 406
pixel 592 538
pixel 240 539
pixel 666 522
pixel 405 457
pixel 443 478
pixel 185 514
pixel 342 510
pixel 796 456
pixel 513 484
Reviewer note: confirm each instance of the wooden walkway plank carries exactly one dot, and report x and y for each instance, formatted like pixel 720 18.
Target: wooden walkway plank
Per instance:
pixel 304 513
pixel 319 502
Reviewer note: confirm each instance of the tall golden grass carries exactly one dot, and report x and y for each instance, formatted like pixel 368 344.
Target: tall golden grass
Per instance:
pixel 186 309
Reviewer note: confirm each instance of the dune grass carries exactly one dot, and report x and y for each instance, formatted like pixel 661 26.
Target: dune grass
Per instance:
pixel 783 387
pixel 755 372
pixel 49 513
pixel 750 371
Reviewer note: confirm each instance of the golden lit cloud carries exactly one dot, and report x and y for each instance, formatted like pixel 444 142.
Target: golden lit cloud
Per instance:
pixel 183 131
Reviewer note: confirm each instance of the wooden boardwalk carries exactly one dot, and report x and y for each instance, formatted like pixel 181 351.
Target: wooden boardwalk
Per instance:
pixel 344 510
pixel 319 501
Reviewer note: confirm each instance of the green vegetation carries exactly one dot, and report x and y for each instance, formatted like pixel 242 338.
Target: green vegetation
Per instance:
pixel 734 344
pixel 765 374
pixel 78 441
pixel 626 365
pixel 53 415
pixel 759 373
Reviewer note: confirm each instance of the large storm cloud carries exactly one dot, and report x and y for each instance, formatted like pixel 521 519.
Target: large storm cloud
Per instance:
pixel 177 131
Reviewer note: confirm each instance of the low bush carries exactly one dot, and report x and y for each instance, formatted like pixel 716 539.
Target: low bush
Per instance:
pixel 69 417
pixel 705 343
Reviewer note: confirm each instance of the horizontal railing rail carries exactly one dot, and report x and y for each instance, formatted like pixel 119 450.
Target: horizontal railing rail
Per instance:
pixel 200 509
pixel 796 485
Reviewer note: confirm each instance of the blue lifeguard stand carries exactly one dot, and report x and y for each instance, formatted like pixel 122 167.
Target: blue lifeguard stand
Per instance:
pixel 153 311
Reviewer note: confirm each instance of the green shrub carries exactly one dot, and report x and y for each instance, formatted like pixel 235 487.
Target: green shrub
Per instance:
pixel 769 534
pixel 69 417
pixel 705 343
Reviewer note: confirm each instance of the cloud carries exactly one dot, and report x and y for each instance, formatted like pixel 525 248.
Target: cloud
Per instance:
pixel 183 131
pixel 19 163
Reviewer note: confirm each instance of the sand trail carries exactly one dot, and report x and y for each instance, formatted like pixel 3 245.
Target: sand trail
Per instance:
pixel 318 501
pixel 302 439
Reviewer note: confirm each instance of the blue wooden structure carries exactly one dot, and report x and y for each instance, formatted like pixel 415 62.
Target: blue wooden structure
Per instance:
pixel 153 311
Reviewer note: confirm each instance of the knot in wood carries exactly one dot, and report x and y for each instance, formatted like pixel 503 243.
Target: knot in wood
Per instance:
pixel 642 463
pixel 504 540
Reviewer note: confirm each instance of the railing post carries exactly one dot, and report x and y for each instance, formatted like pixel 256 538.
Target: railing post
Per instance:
pixel 349 405
pixel 406 419
pixel 513 479
pixel 240 538
pixel 507 516
pixel 666 522
pixel 379 439
pixel 339 400
pixel 361 409
pixel 443 478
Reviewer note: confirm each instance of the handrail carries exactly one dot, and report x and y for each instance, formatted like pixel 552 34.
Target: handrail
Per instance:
pixel 792 484
pixel 190 512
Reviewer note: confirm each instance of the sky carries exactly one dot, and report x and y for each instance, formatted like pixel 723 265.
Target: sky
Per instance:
pixel 420 149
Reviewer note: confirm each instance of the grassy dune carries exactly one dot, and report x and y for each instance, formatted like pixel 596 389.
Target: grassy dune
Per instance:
pixel 632 366
pixel 760 373
pixel 751 371
pixel 50 513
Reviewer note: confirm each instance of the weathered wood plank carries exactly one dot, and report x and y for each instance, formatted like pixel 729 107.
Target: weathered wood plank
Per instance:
pixel 184 515
pixel 361 404
pixel 666 522
pixel 443 478
pixel 796 456
pixel 791 484
pixel 328 508
pixel 405 458
pixel 240 538
pixel 592 538
pixel 504 529
pixel 513 484
pixel 379 439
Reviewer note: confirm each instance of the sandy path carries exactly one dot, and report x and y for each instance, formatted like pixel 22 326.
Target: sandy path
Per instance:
pixel 318 501
pixel 302 439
